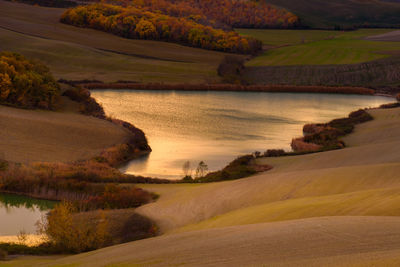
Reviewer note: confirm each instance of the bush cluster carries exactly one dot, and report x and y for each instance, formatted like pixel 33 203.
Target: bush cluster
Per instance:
pixel 323 137
pixel 241 167
pixel 86 184
pixel 231 68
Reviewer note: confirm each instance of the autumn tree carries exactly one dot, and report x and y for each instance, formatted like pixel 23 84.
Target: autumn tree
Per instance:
pixel 26 83
pixel 70 233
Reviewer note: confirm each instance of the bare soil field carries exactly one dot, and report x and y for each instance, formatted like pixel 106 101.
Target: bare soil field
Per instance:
pixel 28 136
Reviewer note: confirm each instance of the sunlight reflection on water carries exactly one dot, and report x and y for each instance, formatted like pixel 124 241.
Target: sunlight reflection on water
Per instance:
pixel 216 127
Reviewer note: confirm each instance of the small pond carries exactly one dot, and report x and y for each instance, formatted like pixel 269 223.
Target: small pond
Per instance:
pixel 20 213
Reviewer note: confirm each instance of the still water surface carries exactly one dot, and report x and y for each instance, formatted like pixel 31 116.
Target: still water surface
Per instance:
pixel 19 213
pixel 216 127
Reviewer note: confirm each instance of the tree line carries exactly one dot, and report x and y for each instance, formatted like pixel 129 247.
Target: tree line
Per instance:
pixel 204 24
pixel 25 83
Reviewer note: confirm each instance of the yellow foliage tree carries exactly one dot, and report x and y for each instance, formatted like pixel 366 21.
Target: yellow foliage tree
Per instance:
pixel 71 233
pixel 145 29
pixel 5 86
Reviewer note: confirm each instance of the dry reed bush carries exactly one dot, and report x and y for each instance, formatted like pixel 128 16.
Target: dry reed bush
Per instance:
pixel 234 87
pixel 299 145
pixel 322 137
pixel 241 167
pixel 68 230
pixel 69 233
pixel 274 153
pixel 85 184
pixel 312 128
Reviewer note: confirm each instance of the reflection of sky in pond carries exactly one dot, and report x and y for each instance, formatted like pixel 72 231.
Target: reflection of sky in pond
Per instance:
pixel 21 213
pixel 215 127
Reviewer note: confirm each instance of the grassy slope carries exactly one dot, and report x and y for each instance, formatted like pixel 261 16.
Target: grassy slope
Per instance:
pixel 320 47
pixel 359 180
pixel 32 136
pixel 75 53
pixel 319 13
pixel 278 38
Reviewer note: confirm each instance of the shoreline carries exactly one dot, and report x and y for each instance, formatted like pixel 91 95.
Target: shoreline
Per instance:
pixel 231 88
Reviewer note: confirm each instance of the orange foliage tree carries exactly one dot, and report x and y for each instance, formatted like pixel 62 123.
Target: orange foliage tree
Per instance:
pixel 139 23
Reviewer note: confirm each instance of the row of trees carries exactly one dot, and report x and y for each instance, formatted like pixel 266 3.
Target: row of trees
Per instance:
pixel 25 83
pixel 136 23
pixel 232 13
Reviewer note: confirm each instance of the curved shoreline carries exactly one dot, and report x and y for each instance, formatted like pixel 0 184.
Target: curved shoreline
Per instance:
pixel 232 88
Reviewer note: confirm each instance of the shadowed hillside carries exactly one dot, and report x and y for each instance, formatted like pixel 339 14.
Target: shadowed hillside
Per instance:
pixel 347 13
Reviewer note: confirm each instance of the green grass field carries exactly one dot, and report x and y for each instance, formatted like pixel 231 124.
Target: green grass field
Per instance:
pixel 278 38
pixel 309 47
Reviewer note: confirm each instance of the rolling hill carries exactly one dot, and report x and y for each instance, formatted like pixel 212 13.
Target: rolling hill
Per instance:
pixel 319 13
pixel 336 208
pixel 74 53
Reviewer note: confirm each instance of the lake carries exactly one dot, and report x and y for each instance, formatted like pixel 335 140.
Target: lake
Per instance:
pixel 19 213
pixel 216 127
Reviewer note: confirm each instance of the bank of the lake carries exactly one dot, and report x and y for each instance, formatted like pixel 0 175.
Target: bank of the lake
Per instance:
pixel 216 127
